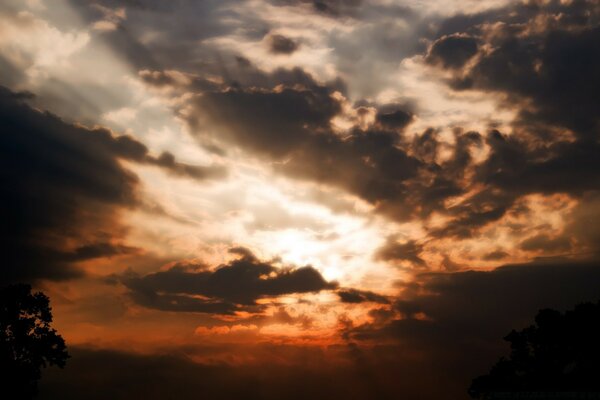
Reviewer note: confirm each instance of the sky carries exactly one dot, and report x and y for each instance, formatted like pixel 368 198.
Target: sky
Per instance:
pixel 294 198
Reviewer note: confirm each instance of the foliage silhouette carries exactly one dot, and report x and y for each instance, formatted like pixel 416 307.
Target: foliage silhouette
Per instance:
pixel 560 353
pixel 27 341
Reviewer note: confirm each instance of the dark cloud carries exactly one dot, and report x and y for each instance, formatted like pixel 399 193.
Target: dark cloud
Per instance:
pixel 290 126
pixel 279 44
pixel 62 188
pixel 456 321
pixel 545 61
pixel 361 296
pixel 337 7
pixel 100 250
pixel 127 147
pixel 541 57
pixel 268 122
pixel 546 243
pixel 284 117
pixel 495 255
pixel 505 298
pixel 167 161
pixel 396 119
pixel 332 8
pixel 451 331
pixel 230 287
pixel 516 165
pixel 452 51
pixel 58 187
pixel 481 209
pixel 397 251
pixel 172 78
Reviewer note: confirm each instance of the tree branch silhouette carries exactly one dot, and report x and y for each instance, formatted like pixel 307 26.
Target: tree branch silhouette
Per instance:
pixel 28 343
pixel 559 353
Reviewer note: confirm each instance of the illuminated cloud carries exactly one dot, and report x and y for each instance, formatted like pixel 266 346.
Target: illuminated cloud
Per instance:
pixel 415 179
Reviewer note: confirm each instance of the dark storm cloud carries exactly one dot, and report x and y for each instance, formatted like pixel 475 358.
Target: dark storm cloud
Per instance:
pixel 543 86
pixel 57 186
pixel 332 8
pixel 452 51
pixel 507 297
pixel 291 126
pixel 279 44
pixel 396 119
pixel 269 122
pixel 543 56
pixel 495 255
pixel 285 116
pixel 100 250
pixel 519 166
pixel 481 209
pixel 396 251
pixel 62 186
pixel 436 357
pixel 233 286
pixel 337 7
pixel 361 296
pixel 456 321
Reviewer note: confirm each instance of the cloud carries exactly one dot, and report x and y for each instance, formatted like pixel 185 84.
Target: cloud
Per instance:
pixel 495 255
pixel 100 250
pixel 235 286
pixel 540 58
pixel 168 162
pixel 279 44
pixel 455 322
pixel 290 126
pixel 331 8
pixel 171 45
pixel 484 305
pixel 452 51
pixel 286 117
pixel 544 242
pixel 58 187
pixel 257 119
pixel 361 296
pixel 396 251
pixel 548 50
pixel 129 148
pixel 396 119
pixel 63 188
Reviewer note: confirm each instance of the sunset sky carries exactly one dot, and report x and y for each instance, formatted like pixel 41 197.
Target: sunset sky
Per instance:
pixel 273 199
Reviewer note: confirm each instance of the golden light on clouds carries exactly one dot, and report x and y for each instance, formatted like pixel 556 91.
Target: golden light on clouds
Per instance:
pixel 299 182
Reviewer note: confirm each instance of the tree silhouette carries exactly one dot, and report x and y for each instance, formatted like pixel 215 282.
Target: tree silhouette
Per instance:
pixel 27 341
pixel 560 353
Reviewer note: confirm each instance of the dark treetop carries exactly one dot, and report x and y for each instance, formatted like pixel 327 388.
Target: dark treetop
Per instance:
pixel 27 341
pixel 560 353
